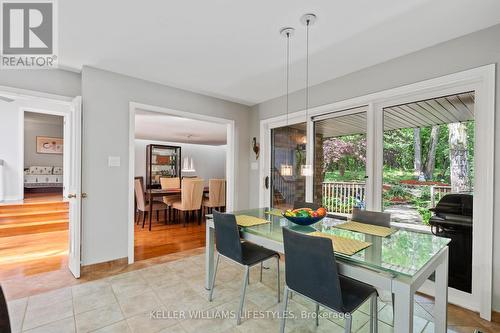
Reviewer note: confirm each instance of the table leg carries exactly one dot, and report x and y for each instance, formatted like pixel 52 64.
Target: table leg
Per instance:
pixel 403 307
pixel 441 295
pixel 209 256
pixel 150 210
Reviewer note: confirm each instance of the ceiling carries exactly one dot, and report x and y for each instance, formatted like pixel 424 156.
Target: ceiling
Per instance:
pixel 232 49
pixel 436 111
pixel 161 127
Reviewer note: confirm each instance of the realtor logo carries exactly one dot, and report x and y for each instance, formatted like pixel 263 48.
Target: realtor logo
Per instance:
pixel 28 34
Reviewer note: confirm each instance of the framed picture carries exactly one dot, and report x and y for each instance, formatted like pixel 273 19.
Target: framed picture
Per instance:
pixel 48 145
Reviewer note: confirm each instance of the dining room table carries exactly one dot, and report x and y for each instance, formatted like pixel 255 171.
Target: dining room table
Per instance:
pixel 399 263
pixel 152 193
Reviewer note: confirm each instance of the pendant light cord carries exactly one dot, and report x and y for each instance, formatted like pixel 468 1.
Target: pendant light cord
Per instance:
pixel 287 89
pixel 307 67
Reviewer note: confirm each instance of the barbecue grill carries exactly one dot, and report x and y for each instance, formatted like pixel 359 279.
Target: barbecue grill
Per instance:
pixel 453 219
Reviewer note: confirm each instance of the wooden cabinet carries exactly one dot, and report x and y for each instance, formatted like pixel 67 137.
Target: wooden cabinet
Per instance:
pixel 162 161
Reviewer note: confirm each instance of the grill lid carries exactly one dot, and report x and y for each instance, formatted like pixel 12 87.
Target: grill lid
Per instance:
pixel 454 204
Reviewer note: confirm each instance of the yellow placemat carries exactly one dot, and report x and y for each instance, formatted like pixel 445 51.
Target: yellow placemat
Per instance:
pixel 343 245
pixel 275 212
pixel 366 228
pixel 249 221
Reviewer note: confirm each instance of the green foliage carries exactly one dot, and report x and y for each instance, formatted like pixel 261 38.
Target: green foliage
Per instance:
pixel 397 191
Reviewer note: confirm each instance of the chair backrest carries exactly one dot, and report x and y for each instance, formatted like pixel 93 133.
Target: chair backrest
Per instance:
pixel 217 192
pixel 170 182
pixel 371 217
pixel 192 193
pixel 139 194
pixel 303 204
pixel 227 236
pixel 310 268
pixel 4 314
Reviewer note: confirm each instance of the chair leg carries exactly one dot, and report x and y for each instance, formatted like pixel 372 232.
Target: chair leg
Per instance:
pixel 374 314
pixel 261 264
pixel 165 215
pixel 157 215
pixel 213 278
pixel 317 314
pixel 144 213
pixel 348 324
pixel 284 308
pixel 278 274
pixel 243 291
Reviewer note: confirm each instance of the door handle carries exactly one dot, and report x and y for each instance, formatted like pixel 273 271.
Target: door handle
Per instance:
pixel 266 182
pixel 84 195
pixel 71 195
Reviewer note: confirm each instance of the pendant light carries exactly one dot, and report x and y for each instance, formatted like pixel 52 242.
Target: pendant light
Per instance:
pixel 308 20
pixel 188 164
pixel 286 168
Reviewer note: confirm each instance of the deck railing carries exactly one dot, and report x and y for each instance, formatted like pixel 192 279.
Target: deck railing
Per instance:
pixel 437 192
pixel 341 197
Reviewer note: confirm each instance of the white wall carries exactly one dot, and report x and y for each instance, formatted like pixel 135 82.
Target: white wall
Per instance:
pixel 106 98
pixel 209 161
pixel 12 142
pixel 32 129
pixel 471 51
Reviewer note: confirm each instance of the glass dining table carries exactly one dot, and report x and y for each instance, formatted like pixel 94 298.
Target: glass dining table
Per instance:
pixel 399 263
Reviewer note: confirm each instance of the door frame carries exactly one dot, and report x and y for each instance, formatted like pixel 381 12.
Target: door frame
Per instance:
pixel 230 159
pixel 481 80
pixel 71 111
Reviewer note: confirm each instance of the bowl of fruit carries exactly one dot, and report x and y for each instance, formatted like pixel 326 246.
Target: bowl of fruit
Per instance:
pixel 305 216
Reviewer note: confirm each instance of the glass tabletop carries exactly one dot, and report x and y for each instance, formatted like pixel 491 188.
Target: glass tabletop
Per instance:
pixel 403 252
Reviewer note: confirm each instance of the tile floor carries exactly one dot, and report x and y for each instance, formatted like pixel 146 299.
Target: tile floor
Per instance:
pixel 127 302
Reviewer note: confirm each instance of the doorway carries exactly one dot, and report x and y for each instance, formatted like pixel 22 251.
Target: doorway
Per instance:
pixel 40 208
pixel 174 146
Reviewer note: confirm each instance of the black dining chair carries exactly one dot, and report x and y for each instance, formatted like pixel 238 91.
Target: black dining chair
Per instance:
pixel 311 271
pixel 246 254
pixel 303 204
pixel 4 314
pixel 371 217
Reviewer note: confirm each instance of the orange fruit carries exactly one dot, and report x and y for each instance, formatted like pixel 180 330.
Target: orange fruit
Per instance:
pixel 321 211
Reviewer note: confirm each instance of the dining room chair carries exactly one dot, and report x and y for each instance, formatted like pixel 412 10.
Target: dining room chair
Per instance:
pixel 143 205
pixel 169 183
pixel 304 204
pixel 191 197
pixel 246 254
pixel 4 314
pixel 216 195
pixel 371 217
pixel 311 271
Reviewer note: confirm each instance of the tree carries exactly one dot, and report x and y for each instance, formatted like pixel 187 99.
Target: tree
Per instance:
pixel 344 151
pixel 459 164
pixel 417 161
pixel 430 163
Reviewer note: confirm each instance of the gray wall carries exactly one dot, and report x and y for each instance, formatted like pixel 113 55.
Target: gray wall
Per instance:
pixel 52 81
pixel 474 50
pixel 32 129
pixel 106 98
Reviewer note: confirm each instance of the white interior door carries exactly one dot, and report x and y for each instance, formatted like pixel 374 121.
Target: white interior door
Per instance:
pixel 74 186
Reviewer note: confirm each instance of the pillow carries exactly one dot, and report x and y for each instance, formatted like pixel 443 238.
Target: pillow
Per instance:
pixel 57 170
pixel 40 170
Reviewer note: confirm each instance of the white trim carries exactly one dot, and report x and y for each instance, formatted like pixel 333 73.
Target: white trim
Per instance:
pixel 482 81
pixel 230 159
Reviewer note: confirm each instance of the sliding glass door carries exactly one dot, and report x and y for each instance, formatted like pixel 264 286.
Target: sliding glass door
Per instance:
pixel 340 160
pixel 428 152
pixel 288 154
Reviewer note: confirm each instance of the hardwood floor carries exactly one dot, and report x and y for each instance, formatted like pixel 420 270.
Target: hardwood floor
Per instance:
pixel 167 238
pixel 33 236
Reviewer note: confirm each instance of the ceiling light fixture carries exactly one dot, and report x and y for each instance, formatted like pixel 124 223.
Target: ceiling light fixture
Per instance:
pixel 286 168
pixel 308 20
pixel 188 164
